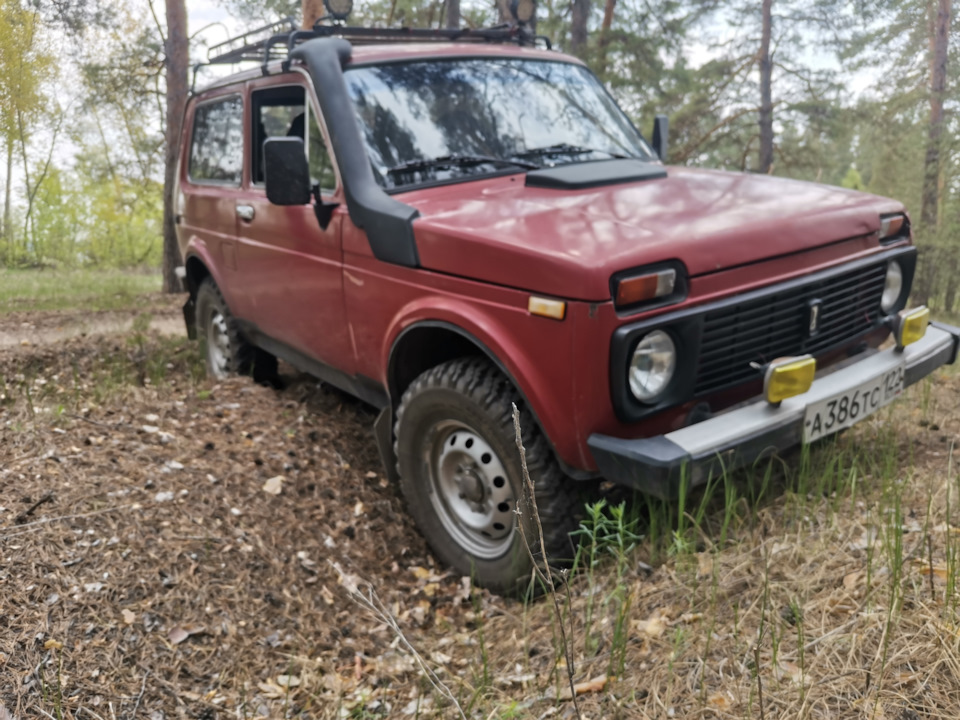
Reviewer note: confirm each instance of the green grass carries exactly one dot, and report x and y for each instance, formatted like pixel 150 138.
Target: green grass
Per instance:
pixel 22 290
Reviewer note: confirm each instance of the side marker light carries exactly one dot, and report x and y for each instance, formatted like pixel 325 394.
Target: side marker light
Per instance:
pixel 545 307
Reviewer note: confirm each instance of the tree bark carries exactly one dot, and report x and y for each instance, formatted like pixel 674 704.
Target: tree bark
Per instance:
pixel 939 44
pixel 312 11
pixel 766 92
pixel 950 294
pixel 579 14
pixel 453 14
pixel 177 59
pixel 604 42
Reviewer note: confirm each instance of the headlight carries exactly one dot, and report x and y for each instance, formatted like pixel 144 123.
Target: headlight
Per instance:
pixel 892 287
pixel 652 365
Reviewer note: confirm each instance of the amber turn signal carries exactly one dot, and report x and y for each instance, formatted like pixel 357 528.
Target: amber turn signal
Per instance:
pixel 545 307
pixel 645 287
pixel 911 325
pixel 788 377
pixel 891 226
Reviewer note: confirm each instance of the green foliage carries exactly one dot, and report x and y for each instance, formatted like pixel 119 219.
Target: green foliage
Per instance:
pixel 107 209
pixel 850 90
pixel 852 180
pixel 22 67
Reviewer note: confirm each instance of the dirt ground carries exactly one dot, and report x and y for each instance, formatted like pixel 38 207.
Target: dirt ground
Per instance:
pixel 25 328
pixel 135 529
pixel 175 548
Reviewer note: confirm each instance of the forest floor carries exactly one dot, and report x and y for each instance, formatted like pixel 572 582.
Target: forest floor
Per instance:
pixel 171 547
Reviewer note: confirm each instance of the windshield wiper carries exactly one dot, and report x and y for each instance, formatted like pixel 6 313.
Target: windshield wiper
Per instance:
pixel 457 161
pixel 564 149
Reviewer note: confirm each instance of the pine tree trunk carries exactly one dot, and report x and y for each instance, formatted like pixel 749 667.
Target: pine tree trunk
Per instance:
pixel 580 13
pixel 950 294
pixel 177 52
pixel 604 43
pixel 453 14
pixel 939 39
pixel 766 92
pixel 312 11
pixel 503 11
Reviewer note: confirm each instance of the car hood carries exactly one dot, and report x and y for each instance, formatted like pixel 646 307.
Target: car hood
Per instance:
pixel 568 243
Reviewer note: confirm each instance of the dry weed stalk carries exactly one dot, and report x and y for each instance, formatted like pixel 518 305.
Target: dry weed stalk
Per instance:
pixel 368 599
pixel 25 528
pixel 545 577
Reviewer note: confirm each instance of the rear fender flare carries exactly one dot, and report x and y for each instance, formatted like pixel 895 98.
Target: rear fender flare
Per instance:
pixel 198 250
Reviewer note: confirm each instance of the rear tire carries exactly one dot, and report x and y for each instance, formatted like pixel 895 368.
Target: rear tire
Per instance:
pixel 224 348
pixel 461 474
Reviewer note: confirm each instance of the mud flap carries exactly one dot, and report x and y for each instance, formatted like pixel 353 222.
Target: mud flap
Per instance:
pixel 190 317
pixel 383 431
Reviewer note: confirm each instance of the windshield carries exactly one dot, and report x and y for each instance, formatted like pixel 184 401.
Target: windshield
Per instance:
pixel 439 120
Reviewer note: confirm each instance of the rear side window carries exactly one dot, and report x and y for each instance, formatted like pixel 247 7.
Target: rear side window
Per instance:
pixel 216 155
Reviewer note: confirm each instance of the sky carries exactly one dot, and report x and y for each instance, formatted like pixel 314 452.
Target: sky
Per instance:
pixel 209 21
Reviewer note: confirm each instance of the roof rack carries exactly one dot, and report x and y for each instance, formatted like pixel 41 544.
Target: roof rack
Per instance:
pixel 276 40
pixel 249 46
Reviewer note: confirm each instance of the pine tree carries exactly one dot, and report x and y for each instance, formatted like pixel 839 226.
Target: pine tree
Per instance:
pixel 177 61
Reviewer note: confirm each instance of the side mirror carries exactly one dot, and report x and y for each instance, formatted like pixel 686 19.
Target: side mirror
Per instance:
pixel 286 171
pixel 660 124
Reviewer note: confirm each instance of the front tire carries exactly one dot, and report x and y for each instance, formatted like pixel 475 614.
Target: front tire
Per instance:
pixel 225 350
pixel 461 474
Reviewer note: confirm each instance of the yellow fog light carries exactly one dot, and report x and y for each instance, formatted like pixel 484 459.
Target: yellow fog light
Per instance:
pixel 788 377
pixel 911 325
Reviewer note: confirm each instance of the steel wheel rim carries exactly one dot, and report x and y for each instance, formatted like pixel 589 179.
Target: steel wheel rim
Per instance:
pixel 470 490
pixel 218 344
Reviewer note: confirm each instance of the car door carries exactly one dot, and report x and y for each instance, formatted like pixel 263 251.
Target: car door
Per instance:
pixel 212 185
pixel 291 267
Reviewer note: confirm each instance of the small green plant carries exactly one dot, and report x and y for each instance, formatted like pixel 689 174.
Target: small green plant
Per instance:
pixel 682 545
pixel 608 533
pixel 481 680
pixel 514 710
pixel 731 502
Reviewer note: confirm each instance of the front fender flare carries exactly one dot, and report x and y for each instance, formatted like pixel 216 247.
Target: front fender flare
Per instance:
pixel 510 355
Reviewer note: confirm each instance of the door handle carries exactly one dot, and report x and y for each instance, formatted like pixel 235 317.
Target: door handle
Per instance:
pixel 246 212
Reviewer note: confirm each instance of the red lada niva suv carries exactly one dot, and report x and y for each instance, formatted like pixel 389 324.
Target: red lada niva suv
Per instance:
pixel 448 224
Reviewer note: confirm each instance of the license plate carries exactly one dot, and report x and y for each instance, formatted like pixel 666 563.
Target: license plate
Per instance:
pixel 851 406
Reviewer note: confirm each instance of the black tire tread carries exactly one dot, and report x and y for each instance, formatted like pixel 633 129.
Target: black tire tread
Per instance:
pixel 560 501
pixel 246 359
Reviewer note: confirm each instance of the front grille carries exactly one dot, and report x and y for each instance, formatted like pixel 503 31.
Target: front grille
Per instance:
pixel 775 324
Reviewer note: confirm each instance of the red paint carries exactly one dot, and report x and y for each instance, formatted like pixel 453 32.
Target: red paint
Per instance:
pixel 569 244
pixel 486 245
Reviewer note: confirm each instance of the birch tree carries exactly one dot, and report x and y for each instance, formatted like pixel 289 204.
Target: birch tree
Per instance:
pixel 22 67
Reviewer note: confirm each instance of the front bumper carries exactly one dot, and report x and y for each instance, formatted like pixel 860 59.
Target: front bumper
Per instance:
pixel 737 438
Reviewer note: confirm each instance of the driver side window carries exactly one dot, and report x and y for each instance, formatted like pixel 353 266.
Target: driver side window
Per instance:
pixel 286 112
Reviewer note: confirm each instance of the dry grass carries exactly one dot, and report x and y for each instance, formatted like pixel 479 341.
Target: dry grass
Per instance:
pixel 160 579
